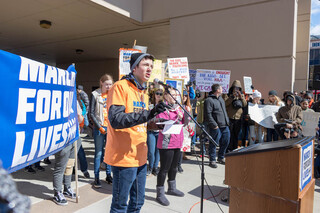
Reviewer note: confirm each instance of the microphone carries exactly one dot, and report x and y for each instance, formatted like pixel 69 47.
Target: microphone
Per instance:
pixel 162 83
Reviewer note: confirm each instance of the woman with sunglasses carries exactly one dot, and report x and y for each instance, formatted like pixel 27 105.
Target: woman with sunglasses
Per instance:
pixel 153 152
pixel 169 146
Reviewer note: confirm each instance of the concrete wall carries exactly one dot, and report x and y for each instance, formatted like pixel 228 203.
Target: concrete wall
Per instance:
pixel 265 39
pixel 131 9
pixel 89 73
pixel 154 10
pixel 303 41
pixel 253 40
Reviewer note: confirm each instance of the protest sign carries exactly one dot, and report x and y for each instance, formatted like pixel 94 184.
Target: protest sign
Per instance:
pixel 178 68
pixel 156 71
pixel 206 78
pixel 176 83
pixel 38 111
pixel 192 74
pixel 247 81
pixel 124 61
pixel 264 115
pixel 309 123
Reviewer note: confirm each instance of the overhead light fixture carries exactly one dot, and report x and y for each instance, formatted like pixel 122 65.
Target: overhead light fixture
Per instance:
pixel 45 24
pixel 79 51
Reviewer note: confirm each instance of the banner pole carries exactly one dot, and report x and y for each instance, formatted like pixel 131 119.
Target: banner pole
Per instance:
pixel 76 162
pixel 76 169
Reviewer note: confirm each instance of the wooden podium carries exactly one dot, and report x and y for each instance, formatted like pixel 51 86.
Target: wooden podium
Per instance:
pixel 273 177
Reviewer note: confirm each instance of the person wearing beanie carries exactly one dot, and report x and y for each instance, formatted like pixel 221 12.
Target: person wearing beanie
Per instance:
pixel 256 131
pixel 256 95
pixel 273 99
pixel 309 97
pixel 304 104
pixel 126 148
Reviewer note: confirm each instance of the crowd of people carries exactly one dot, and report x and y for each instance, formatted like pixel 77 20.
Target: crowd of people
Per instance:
pixel 130 143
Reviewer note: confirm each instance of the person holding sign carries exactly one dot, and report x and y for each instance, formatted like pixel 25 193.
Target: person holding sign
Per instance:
pixel 126 149
pixel 273 100
pixel 217 122
pixel 169 146
pixel 99 116
pixel 234 105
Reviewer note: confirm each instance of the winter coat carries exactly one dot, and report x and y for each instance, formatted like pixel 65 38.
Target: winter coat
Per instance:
pixel 215 114
pixel 235 113
pixel 172 141
pixel 293 113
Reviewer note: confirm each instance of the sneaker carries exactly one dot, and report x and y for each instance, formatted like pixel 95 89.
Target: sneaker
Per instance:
pixel 148 171
pixel 109 179
pixel 86 174
pixel 155 171
pixel 60 199
pixel 68 192
pixel 221 161
pixel 29 169
pixel 213 164
pixel 39 168
pixel 97 183
pixel 180 170
pixel 46 161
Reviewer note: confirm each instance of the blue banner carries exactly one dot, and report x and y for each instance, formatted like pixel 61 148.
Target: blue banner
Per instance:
pixel 38 110
pixel 306 164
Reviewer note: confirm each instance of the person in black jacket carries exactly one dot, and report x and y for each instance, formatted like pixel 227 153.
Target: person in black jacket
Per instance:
pixel 217 122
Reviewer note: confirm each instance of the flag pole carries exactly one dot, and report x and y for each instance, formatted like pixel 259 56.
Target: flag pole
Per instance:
pixel 76 162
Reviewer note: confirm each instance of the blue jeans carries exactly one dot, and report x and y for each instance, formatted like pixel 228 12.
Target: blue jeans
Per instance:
pixel 99 144
pixel 128 180
pixel 222 137
pixel 271 134
pixel 82 159
pixel 153 152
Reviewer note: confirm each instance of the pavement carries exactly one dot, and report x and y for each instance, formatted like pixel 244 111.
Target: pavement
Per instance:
pixel 39 188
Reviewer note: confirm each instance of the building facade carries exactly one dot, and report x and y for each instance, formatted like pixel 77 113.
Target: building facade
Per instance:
pixel 265 39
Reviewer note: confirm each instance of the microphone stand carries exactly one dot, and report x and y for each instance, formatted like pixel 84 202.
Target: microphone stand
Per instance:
pixel 203 134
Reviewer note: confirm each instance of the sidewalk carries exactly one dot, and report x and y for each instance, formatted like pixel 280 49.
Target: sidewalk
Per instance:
pixel 39 188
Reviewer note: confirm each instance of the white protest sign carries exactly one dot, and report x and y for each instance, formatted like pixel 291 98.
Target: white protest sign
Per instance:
pixel 264 115
pixel 309 123
pixel 124 60
pixel 247 84
pixel 178 68
pixel 206 78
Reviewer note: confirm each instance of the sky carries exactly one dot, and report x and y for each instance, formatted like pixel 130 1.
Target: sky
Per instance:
pixel 315 17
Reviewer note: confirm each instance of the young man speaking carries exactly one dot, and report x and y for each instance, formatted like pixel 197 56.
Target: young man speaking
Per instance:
pixel 126 148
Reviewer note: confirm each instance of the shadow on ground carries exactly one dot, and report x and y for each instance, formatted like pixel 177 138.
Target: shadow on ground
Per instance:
pixel 215 196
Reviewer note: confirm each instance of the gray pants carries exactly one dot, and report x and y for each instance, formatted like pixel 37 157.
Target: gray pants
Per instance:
pixel 61 160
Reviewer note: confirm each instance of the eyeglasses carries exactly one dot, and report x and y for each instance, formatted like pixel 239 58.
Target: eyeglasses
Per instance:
pixel 185 95
pixel 159 93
